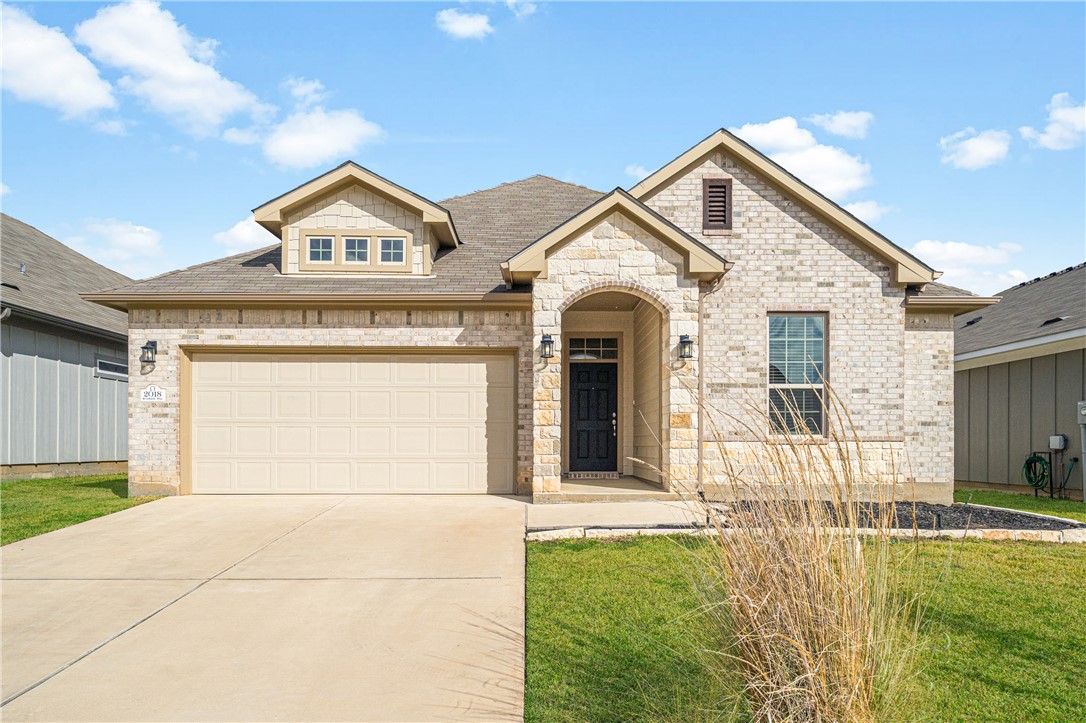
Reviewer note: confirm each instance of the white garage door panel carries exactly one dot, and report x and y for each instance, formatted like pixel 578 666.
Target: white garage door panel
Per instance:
pixel 352 423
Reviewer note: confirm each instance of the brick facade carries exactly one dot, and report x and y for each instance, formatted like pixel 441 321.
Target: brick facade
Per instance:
pixel 891 370
pixel 786 259
pixel 154 427
pixel 617 255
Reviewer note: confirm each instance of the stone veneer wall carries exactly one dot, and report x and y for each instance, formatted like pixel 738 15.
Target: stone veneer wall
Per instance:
pixel 619 255
pixel 929 406
pixel 787 259
pixel 154 428
pixel 355 208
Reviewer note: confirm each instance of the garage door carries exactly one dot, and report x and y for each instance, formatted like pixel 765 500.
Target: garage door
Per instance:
pixel 282 423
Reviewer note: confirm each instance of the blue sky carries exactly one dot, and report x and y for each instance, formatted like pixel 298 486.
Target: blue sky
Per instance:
pixel 142 134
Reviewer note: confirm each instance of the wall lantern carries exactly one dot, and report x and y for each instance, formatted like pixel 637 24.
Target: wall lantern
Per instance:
pixel 686 347
pixel 148 352
pixel 546 347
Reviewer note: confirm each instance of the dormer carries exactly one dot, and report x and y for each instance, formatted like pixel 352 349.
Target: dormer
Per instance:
pixel 352 221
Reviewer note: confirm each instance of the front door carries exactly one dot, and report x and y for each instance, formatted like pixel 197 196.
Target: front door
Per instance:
pixel 593 417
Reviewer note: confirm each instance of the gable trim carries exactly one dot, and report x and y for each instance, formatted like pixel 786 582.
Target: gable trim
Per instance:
pixel 272 214
pixel 531 261
pixel 904 267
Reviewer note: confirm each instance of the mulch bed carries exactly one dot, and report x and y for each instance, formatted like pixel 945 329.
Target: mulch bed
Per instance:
pixel 925 516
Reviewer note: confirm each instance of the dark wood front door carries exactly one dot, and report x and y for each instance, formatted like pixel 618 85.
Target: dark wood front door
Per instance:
pixel 593 417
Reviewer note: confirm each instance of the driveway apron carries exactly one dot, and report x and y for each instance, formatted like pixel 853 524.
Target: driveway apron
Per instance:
pixel 345 608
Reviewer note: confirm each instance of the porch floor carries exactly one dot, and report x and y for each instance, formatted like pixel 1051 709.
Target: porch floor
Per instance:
pixel 624 489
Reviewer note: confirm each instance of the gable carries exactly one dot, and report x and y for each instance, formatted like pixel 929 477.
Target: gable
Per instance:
pixel 905 268
pixel 699 260
pixel 272 215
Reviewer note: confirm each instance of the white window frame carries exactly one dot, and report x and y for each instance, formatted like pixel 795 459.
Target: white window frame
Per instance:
pixel 331 249
pixel 110 373
pixel 381 251
pixel 776 426
pixel 365 248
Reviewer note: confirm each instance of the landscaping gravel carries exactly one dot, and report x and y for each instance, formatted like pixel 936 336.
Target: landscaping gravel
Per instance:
pixel 925 516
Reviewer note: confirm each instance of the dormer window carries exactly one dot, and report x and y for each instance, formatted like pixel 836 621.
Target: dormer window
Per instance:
pixel 320 249
pixel 392 251
pixel 356 250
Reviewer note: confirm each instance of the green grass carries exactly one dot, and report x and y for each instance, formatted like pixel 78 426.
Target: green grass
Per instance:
pixel 613 633
pixel 33 507
pixel 1027 503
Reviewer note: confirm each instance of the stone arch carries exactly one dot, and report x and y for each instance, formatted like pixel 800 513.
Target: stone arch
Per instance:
pixel 629 287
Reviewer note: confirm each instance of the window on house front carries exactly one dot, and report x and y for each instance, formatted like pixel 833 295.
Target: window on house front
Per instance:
pixel 581 349
pixel 320 249
pixel 716 204
pixel 797 371
pixel 111 369
pixel 392 251
pixel 356 250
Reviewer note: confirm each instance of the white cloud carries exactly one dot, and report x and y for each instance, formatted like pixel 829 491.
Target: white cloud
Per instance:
pixel 242 136
pixel 133 250
pixel 311 137
pixel 1066 125
pixel 970 266
pixel 245 235
pixel 971 150
pixel 4 189
pixel 112 127
pixel 460 25
pixel 520 8
pixel 305 92
pixel 637 172
pixel 829 169
pixel 167 67
pixel 847 123
pixel 868 211
pixel 41 65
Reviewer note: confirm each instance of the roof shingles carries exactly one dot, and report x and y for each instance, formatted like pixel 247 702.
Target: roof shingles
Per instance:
pixel 1023 310
pixel 55 277
pixel 493 225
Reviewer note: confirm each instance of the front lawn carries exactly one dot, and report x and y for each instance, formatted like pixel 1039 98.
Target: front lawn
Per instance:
pixel 612 633
pixel 1042 504
pixel 35 506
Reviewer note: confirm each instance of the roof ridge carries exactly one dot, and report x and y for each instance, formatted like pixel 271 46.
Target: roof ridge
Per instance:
pixel 1052 275
pixel 522 180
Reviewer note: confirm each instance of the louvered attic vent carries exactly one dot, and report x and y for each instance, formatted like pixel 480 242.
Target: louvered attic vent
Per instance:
pixel 717 203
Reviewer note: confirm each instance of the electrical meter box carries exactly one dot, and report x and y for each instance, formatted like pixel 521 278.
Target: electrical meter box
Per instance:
pixel 1082 412
pixel 1057 442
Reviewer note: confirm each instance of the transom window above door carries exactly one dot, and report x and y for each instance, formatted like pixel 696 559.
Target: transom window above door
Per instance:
pixel 588 348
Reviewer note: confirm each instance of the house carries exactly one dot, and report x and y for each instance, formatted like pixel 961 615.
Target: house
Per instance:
pixel 523 337
pixel 1020 371
pixel 63 361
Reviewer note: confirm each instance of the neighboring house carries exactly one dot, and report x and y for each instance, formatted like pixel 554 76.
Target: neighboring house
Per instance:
pixel 516 338
pixel 63 361
pixel 1020 370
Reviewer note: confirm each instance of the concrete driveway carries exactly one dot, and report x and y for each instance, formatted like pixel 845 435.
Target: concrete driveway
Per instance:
pixel 270 608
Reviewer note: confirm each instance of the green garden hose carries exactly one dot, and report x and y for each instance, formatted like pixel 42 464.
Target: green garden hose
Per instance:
pixel 1036 471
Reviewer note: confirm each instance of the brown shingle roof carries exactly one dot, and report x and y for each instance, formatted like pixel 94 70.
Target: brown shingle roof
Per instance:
pixel 55 277
pixel 493 225
pixel 1023 310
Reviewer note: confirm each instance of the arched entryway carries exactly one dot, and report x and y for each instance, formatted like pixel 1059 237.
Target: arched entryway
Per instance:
pixel 614 354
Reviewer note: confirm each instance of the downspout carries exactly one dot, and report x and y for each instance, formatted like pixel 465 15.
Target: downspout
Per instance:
pixel 705 289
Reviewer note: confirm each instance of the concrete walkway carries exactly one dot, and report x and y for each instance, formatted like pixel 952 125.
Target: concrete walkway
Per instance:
pixel 270 608
pixel 614 514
